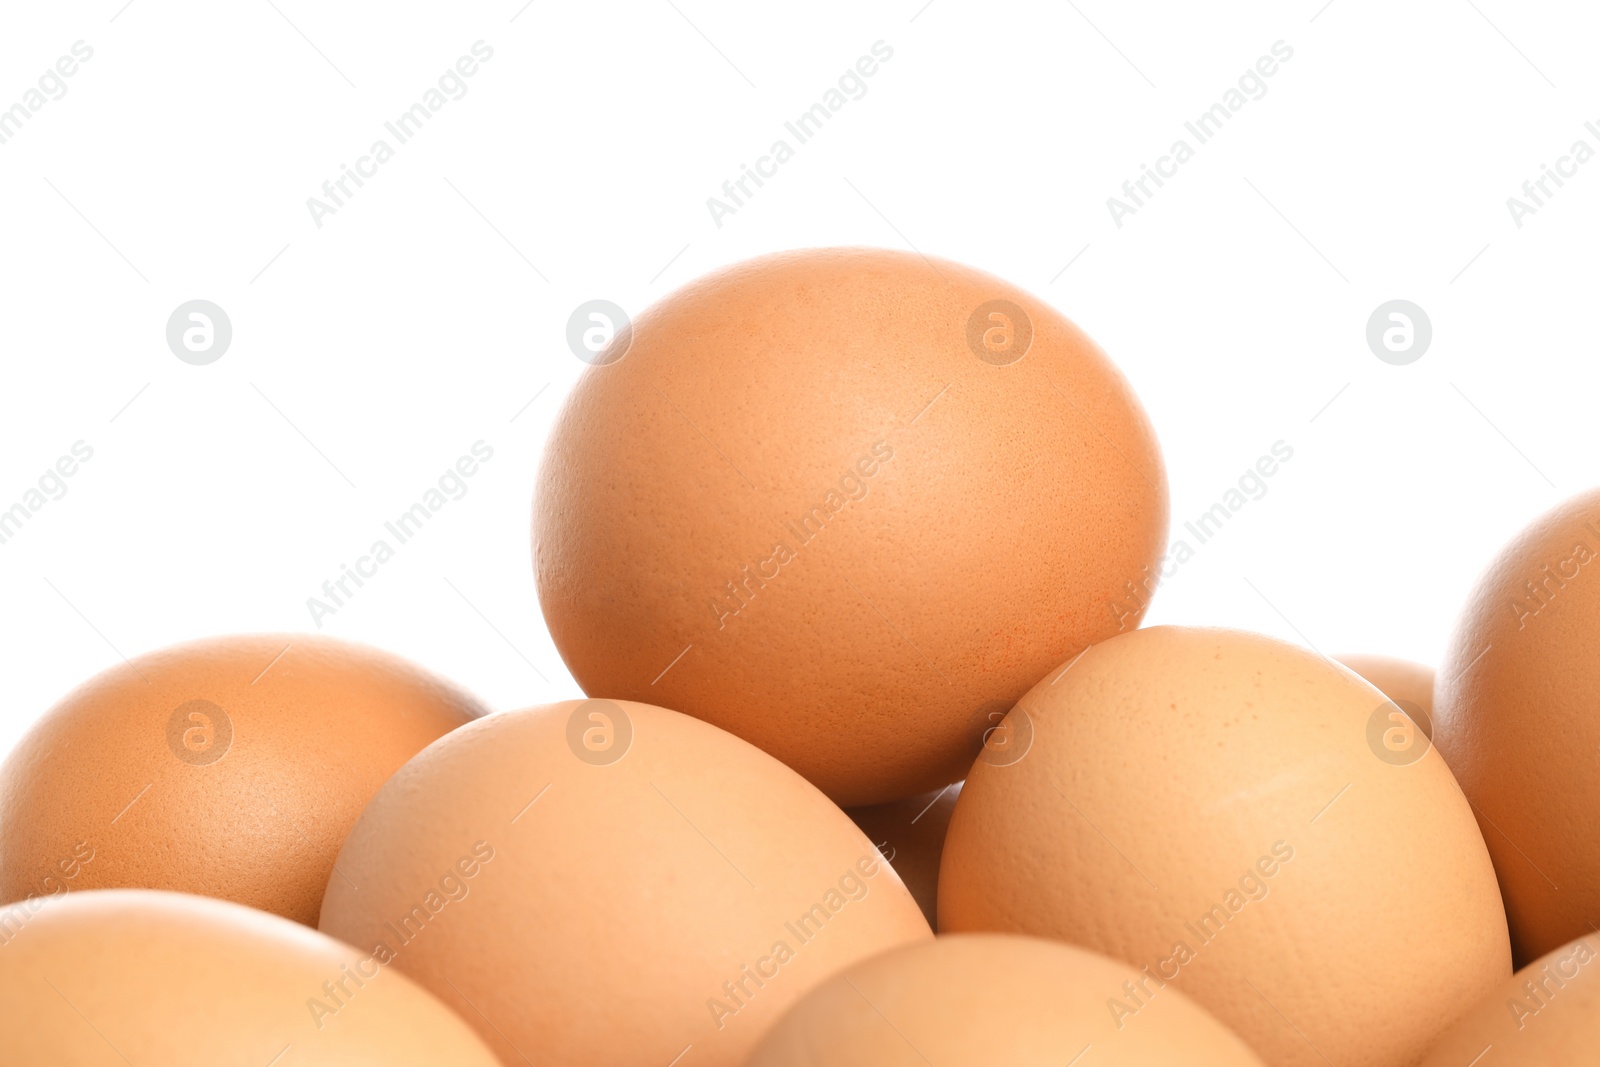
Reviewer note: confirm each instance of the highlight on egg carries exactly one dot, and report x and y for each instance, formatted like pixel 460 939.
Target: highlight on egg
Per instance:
pixel 846 503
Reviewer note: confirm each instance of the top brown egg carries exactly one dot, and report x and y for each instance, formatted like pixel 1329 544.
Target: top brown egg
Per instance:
pixel 849 505
pixel 231 767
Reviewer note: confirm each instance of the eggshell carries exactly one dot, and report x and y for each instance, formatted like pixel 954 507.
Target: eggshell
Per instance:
pixel 976 1000
pixel 843 503
pixel 910 835
pixel 1546 1015
pixel 1400 680
pixel 1220 809
pixel 1518 720
pixel 137 976
pixel 230 767
pixel 599 882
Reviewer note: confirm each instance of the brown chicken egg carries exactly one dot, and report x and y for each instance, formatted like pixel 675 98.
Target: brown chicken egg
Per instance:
pixel 910 835
pixel 845 503
pixel 138 976
pixel 979 1000
pixel 1518 720
pixel 1225 812
pixel 1410 685
pixel 1545 1015
pixel 603 882
pixel 231 767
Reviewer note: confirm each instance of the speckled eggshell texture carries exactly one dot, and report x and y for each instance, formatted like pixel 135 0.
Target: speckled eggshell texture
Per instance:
pixel 113 977
pixel 1518 720
pixel 231 767
pixel 845 503
pixel 980 1000
pixel 609 883
pixel 1220 810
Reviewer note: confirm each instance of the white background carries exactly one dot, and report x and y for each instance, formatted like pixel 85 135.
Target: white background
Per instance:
pixel 431 309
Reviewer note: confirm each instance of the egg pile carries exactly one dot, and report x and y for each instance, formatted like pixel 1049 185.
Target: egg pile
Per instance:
pixel 849 550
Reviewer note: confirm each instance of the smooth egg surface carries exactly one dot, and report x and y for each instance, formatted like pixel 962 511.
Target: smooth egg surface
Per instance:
pixel 605 882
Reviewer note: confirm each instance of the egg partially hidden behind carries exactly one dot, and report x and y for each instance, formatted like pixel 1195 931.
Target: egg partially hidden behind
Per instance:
pixel 910 835
pixel 978 1000
pixel 1220 810
pixel 609 883
pixel 231 767
pixel 844 503
pixel 1518 720
pixel 1410 685
pixel 137 976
